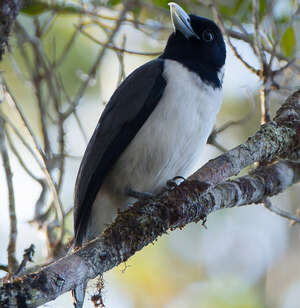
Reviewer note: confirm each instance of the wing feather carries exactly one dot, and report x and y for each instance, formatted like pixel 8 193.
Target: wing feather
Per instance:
pixel 128 109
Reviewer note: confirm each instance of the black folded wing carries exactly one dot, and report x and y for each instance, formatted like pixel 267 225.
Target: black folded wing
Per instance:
pixel 125 113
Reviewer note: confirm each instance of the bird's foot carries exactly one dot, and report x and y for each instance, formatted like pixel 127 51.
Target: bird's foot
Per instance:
pixel 78 295
pixel 139 195
pixel 173 183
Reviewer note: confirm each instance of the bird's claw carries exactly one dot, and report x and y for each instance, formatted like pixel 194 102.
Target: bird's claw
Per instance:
pixel 171 184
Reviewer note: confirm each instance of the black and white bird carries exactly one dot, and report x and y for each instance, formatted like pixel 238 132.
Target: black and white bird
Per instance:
pixel 155 125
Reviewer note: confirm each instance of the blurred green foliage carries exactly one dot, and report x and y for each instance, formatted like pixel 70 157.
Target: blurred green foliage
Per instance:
pixel 288 42
pixel 240 10
pixel 156 276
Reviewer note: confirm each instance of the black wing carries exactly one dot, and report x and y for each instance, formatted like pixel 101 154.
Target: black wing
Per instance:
pixel 125 113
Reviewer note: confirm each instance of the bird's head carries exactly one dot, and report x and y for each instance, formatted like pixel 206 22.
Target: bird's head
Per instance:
pixel 196 42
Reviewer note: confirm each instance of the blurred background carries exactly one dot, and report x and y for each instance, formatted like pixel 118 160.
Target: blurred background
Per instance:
pixel 65 60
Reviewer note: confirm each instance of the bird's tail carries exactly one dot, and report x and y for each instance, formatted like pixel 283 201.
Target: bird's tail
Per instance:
pixel 78 295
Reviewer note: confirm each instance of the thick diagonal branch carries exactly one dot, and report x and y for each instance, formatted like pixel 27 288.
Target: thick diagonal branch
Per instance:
pixel 142 224
pixel 190 202
pixel 279 138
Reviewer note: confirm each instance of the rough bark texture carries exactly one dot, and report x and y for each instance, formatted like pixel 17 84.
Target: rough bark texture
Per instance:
pixel 276 139
pixel 9 10
pixel 191 201
pixel 141 225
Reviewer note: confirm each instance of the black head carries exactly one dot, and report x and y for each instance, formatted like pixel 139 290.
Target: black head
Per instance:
pixel 197 43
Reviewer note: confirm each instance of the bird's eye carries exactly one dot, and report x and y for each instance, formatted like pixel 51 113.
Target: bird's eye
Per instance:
pixel 207 36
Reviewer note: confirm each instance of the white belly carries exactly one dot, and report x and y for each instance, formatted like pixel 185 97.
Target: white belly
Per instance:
pixel 172 138
pixel 168 144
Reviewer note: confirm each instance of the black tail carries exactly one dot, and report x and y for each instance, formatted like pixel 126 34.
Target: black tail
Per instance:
pixel 78 295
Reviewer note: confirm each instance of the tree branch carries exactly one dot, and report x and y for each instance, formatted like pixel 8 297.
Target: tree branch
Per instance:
pixel 191 201
pixel 140 225
pixel 8 13
pixel 276 139
pixel 11 249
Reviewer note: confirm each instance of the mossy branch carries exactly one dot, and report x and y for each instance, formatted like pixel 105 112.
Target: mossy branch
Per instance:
pixel 191 201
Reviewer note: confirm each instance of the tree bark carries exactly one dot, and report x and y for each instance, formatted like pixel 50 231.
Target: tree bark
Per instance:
pixel 191 201
pixel 9 10
pixel 276 139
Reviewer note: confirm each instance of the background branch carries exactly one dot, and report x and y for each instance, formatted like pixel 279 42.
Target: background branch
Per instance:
pixel 8 13
pixel 279 138
pixel 142 223
pixel 11 249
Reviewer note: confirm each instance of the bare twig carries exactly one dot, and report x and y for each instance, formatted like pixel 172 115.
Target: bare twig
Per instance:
pixel 97 63
pixel 212 140
pixel 257 40
pixel 4 268
pixel 41 200
pixel 110 46
pixel 241 121
pixel 264 101
pixel 66 49
pixel 294 219
pixel 120 56
pixel 220 22
pixel 27 257
pixel 19 157
pixel 11 249
pixel 21 138
pixel 274 139
pixel 41 156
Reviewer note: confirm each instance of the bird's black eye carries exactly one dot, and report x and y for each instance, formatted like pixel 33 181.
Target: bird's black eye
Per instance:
pixel 207 36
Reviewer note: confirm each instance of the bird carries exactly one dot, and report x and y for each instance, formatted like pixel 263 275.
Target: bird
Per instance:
pixel 153 128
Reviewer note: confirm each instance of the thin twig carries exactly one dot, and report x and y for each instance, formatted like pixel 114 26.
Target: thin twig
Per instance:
pixel 27 257
pixel 19 157
pixel 97 63
pixel 67 49
pixel 120 56
pixel 213 136
pixel 21 138
pixel 113 47
pixel 268 205
pixel 40 154
pixel 220 22
pixel 264 102
pixel 4 268
pixel 75 114
pixel 257 40
pixel 11 249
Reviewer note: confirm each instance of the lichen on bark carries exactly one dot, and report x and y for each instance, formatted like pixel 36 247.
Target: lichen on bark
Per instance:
pixel 9 10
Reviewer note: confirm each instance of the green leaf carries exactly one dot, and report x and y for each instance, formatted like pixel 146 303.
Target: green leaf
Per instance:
pixel 288 42
pixel 239 9
pixel 114 2
pixel 34 7
pixel 262 8
pixel 38 7
pixel 162 3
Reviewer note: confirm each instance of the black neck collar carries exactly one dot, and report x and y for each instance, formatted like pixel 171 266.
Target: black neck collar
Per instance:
pixel 207 74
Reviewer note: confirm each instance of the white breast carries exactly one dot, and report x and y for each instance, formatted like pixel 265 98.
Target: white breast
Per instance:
pixel 168 144
pixel 170 141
